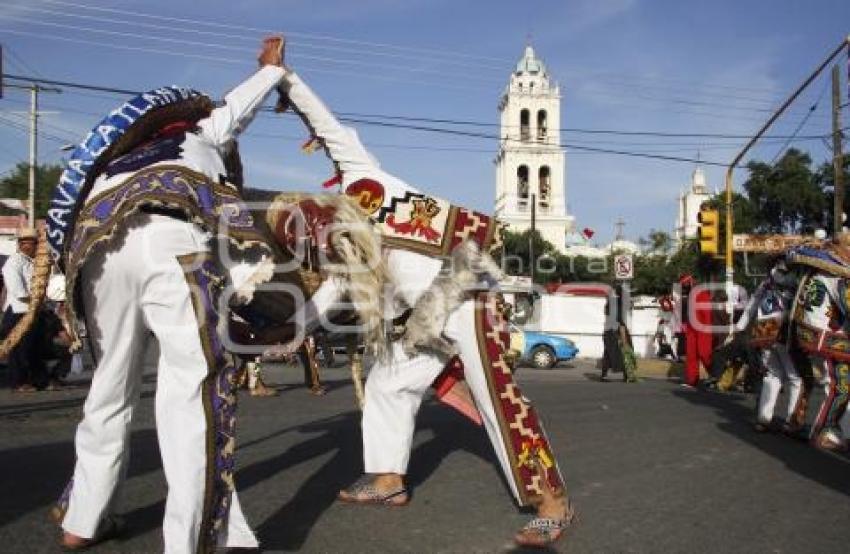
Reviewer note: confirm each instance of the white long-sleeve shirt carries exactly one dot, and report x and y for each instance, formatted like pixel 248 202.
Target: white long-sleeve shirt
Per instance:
pixel 202 150
pixel 411 273
pixel 17 277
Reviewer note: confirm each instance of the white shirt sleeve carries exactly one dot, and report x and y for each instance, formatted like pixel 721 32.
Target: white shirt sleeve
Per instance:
pixel 342 143
pixel 15 281
pixel 240 106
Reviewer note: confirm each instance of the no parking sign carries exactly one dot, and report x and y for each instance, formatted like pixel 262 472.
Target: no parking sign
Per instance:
pixel 624 267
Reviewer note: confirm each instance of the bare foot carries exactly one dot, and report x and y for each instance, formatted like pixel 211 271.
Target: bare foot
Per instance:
pixel 73 542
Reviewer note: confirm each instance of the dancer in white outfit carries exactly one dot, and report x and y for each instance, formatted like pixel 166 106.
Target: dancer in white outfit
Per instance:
pixel 419 231
pixel 140 264
pixel 767 318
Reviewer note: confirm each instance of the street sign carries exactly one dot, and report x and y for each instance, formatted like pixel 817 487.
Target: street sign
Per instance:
pixel 624 267
pixel 766 244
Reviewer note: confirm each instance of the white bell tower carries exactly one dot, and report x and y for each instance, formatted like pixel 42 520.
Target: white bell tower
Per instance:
pixel 530 159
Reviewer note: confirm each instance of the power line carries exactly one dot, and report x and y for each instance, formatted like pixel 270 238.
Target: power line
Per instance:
pixel 220 59
pixel 56 128
pixel 321 59
pixel 444 121
pixel 562 145
pixel 208 45
pixel 24 129
pixel 801 124
pixel 183 29
pixel 196 22
pixel 324 59
pixel 19 60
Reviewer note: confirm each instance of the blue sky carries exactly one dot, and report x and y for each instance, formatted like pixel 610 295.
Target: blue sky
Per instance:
pixel 625 65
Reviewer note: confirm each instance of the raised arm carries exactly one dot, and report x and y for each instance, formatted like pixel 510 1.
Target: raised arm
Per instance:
pixel 340 142
pixel 241 104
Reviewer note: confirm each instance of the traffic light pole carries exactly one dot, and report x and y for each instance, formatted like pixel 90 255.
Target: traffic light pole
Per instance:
pixel 730 268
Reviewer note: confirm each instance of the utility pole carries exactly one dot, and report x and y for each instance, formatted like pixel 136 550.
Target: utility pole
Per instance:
pixel 531 259
pixel 33 157
pixel 837 155
pixel 729 258
pixel 33 151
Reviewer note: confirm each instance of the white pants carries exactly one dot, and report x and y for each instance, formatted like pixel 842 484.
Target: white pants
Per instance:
pixel 779 368
pixel 394 392
pixel 131 292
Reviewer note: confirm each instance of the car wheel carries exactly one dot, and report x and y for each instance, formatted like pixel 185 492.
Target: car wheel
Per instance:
pixel 542 357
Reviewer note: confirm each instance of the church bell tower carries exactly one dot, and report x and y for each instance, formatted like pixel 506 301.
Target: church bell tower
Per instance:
pixel 530 162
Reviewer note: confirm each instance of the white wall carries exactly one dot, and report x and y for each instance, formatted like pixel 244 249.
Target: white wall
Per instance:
pixel 582 320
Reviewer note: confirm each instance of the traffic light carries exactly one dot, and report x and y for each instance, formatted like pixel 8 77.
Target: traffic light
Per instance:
pixel 709 232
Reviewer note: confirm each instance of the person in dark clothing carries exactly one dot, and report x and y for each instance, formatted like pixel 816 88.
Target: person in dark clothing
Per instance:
pixel 26 367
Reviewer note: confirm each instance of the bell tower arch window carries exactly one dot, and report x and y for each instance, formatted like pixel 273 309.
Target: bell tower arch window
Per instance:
pixel 522 184
pixel 542 126
pixel 544 182
pixel 524 125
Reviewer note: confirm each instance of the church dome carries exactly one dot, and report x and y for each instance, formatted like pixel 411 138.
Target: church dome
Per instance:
pixel 530 64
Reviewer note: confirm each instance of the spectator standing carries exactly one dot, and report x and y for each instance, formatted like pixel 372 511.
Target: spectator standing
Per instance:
pixel 26 368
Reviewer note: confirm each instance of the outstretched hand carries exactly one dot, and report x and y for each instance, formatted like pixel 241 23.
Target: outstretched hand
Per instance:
pixel 271 51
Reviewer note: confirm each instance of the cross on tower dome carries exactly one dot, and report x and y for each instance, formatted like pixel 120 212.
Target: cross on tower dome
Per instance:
pixel 530 64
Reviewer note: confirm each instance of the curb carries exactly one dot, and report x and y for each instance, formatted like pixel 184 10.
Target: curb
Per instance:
pixel 653 367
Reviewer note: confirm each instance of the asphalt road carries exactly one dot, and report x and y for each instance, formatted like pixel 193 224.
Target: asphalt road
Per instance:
pixel 651 467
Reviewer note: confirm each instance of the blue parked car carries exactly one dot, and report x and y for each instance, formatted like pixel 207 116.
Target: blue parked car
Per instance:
pixel 541 350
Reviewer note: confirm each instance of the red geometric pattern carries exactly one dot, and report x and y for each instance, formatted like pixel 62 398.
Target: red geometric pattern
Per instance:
pixel 469 225
pixel 528 449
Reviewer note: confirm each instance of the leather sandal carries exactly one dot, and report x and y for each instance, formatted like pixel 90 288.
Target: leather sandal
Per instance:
pixel 542 532
pixel 367 493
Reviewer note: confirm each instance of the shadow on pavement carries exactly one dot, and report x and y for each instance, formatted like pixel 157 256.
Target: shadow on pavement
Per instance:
pixel 36 475
pixel 289 527
pixel 17 411
pixel 829 470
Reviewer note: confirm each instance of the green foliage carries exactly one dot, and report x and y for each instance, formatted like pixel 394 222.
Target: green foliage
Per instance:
pixel 657 242
pixel 825 179
pixel 16 185
pixel 785 197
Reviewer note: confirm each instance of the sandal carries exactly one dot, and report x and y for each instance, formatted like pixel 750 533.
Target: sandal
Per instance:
pixel 542 532
pixel 262 390
pixel 110 528
pixel 829 442
pixel 367 493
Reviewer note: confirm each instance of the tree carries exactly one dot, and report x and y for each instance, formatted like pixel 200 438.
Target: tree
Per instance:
pixel 516 254
pixel 16 185
pixel 785 197
pixel 657 243
pixel 825 179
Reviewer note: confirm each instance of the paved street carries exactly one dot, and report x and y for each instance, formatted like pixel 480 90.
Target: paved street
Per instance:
pixel 652 468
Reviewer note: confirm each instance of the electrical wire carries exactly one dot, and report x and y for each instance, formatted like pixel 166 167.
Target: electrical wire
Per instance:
pixel 802 123
pixel 209 45
pixel 221 59
pixel 290 43
pixel 324 38
pixel 445 121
